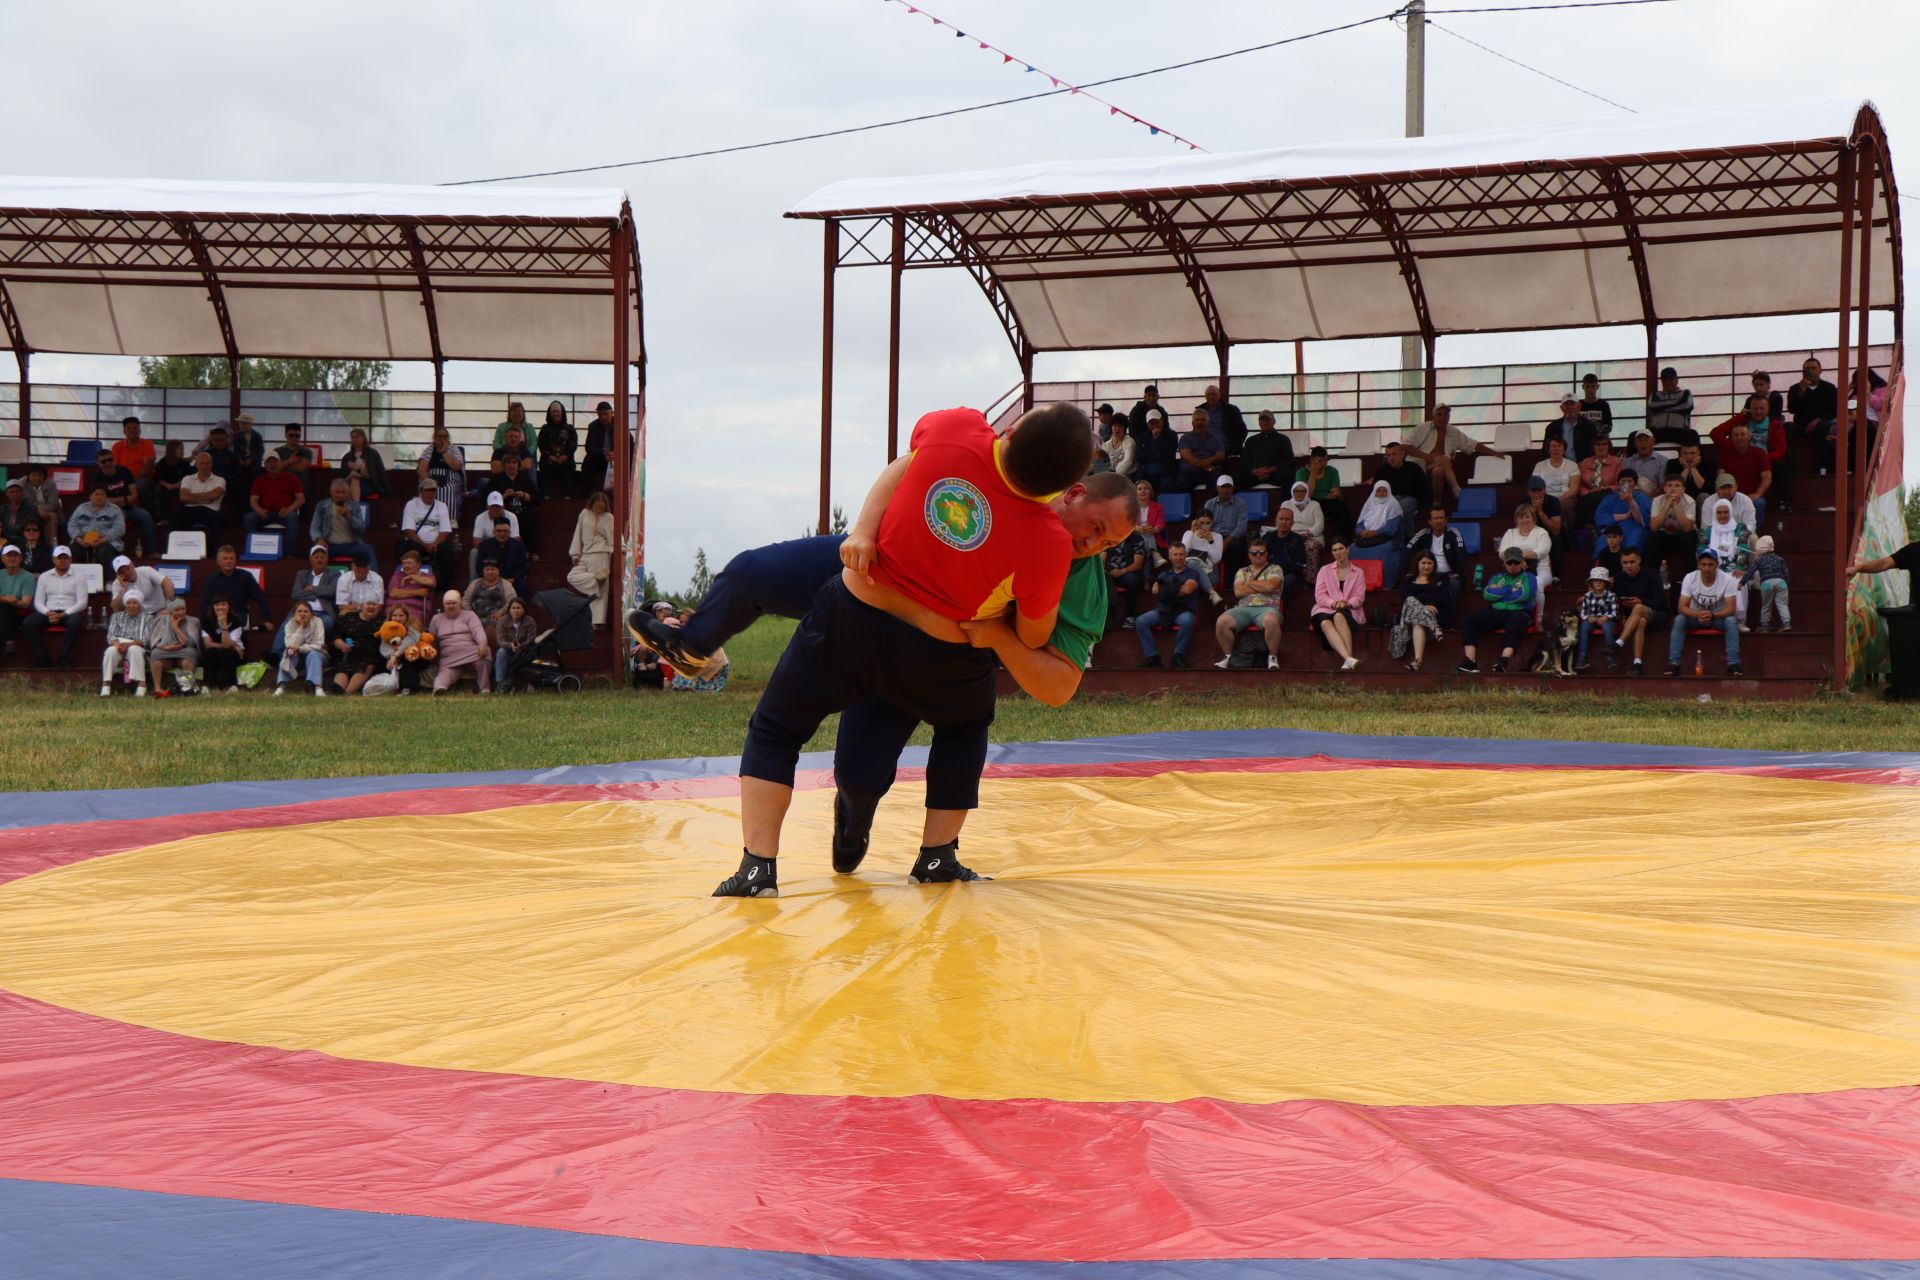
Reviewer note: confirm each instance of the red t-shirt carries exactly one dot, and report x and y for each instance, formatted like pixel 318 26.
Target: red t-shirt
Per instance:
pixel 278 491
pixel 135 457
pixel 1746 469
pixel 958 539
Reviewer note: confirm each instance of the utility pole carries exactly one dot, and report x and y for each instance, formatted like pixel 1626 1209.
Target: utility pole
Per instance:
pixel 1413 353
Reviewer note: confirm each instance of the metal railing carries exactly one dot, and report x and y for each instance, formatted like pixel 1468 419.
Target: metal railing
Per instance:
pixel 1322 408
pixel 401 422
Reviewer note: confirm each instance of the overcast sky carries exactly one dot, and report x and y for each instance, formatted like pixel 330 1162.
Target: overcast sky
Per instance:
pixel 419 92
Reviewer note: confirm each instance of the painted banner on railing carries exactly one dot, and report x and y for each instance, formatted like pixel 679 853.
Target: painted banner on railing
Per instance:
pixel 1883 532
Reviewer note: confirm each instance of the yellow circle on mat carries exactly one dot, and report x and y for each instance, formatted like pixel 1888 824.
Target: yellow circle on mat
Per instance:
pixel 1377 936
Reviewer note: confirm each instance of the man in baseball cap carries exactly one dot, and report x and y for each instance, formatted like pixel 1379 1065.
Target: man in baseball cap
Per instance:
pixel 59 600
pixel 1510 595
pixel 16 596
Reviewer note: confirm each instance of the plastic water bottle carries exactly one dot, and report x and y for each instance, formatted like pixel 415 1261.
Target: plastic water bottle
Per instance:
pixel 1699 662
pixel 1479 576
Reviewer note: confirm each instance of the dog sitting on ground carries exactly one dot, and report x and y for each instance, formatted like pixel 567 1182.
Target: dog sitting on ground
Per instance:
pixel 1559 647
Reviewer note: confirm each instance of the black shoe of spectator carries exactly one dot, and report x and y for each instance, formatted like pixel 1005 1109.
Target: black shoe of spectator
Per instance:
pixel 1733 671
pixel 1673 670
pixel 1499 666
pixel 756 878
pixel 665 640
pixel 852 829
pixel 1638 668
pixel 1150 663
pixel 941 866
pixel 1469 667
pixel 1180 662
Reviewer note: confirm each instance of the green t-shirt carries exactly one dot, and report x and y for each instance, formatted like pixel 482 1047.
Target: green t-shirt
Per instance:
pixel 1083 611
pixel 16 584
pixel 1329 481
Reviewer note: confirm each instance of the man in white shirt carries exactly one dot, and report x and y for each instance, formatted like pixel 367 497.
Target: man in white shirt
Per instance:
pixel 1707 599
pixel 426 527
pixel 155 588
pixel 483 528
pixel 201 497
pixel 59 600
pixel 496 510
pixel 1434 443
pixel 357 586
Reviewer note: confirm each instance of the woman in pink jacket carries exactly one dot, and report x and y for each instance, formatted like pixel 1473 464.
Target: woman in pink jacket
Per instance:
pixel 1339 590
pixel 463 646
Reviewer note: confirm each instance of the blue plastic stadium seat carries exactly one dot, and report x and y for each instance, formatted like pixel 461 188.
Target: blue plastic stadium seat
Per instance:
pixel 1256 501
pixel 1176 506
pixel 1475 504
pixel 81 453
pixel 1470 535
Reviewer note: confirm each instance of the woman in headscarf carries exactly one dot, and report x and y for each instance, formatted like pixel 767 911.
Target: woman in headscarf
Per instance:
pixel 556 446
pixel 1308 521
pixel 1376 532
pixel 1732 544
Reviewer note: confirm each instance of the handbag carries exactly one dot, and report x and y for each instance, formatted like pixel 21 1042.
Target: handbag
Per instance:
pixel 384 683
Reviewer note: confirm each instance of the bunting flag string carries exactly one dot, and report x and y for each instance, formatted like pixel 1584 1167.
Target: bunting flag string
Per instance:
pixel 1008 59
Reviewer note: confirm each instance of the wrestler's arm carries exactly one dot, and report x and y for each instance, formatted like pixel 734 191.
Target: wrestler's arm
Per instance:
pixel 1045 673
pixel 863 539
pixel 1035 632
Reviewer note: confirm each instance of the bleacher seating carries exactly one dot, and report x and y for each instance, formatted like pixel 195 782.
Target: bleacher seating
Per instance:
pixel 549 563
pixel 1774 665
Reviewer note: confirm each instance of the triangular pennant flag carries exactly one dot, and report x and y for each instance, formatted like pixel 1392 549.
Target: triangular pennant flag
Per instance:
pixel 1028 68
pixel 1006 58
pixel 1056 81
pixel 983 44
pixel 1155 132
pixel 1113 111
pixel 911 9
pixel 1076 88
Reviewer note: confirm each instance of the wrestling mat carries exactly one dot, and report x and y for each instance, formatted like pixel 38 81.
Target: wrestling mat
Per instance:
pixel 1237 1005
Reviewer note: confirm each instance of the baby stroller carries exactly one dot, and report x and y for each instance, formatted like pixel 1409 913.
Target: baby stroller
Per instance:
pixel 539 665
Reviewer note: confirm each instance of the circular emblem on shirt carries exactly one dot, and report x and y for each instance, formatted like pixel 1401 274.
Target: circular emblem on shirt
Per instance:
pixel 958 514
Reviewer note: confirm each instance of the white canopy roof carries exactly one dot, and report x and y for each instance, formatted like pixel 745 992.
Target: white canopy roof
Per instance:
pixel 159 267
pixel 1689 215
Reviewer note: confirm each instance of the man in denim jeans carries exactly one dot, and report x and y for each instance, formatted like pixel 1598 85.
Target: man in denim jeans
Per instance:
pixel 1706 600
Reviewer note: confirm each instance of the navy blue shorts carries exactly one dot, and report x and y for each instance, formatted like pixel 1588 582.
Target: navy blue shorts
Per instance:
pixel 845 652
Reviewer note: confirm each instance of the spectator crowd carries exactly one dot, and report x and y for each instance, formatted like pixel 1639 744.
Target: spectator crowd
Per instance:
pixel 1664 527
pixel 419 602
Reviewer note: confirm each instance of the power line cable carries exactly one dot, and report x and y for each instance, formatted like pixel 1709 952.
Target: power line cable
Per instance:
pixel 1526 66
pixel 1543 8
pixel 931 115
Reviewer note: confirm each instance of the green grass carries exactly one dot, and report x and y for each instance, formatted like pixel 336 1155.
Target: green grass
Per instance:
pixel 67 738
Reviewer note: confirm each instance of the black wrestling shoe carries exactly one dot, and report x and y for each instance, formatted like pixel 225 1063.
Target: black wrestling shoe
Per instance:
pixel 852 828
pixel 665 641
pixel 942 866
pixel 756 878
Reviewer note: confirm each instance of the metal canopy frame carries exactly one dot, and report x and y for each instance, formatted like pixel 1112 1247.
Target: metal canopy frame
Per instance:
pixel 1841 185
pixel 224 254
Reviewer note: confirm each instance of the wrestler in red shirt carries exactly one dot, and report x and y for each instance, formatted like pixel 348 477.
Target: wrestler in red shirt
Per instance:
pixel 959 537
pixel 955 531
pixel 947 537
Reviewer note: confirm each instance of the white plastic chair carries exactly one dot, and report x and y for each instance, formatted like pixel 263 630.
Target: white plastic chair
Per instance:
pixel 1512 437
pixel 1491 470
pixel 187 545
